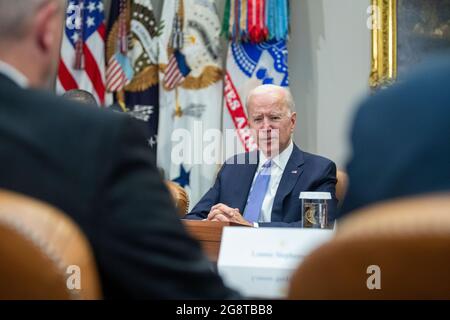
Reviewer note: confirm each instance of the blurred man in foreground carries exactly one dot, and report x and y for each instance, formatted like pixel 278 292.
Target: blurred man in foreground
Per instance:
pixel 93 165
pixel 401 140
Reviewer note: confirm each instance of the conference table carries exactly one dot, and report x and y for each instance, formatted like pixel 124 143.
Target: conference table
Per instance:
pixel 209 234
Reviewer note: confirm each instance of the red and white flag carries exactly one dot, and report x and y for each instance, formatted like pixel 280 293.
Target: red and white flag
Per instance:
pixel 176 71
pixel 82 63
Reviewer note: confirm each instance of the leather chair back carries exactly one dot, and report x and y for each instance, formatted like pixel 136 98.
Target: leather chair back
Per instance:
pixel 341 185
pixel 408 240
pixel 179 196
pixel 43 253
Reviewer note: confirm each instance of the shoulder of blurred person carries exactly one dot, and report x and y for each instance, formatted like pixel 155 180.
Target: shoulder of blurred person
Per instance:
pixel 400 139
pixel 94 165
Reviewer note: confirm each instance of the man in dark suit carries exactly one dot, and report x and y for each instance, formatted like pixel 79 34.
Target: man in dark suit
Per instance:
pixel 401 140
pixel 93 165
pixel 262 188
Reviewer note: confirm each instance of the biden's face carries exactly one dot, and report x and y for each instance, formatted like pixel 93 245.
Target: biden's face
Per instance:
pixel 272 123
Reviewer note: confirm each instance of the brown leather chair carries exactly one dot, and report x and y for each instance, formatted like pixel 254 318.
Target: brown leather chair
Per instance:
pixel 180 197
pixel 39 245
pixel 409 240
pixel 341 185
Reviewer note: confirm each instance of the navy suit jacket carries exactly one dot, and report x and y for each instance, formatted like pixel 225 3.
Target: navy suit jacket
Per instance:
pixel 303 172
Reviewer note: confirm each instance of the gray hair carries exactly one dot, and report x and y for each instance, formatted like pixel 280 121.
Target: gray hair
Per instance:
pixel 287 97
pixel 81 96
pixel 15 14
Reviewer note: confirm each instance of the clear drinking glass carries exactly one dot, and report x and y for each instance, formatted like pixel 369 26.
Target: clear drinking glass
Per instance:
pixel 315 209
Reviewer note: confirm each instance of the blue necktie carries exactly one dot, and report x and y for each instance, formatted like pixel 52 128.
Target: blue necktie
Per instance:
pixel 257 194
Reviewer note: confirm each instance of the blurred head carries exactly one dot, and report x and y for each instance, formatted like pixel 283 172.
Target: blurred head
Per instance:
pixel 400 139
pixel 30 37
pixel 271 117
pixel 80 96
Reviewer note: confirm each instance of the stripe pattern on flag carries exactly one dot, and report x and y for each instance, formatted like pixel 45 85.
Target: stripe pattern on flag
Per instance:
pixel 177 70
pixel 119 72
pixel 84 19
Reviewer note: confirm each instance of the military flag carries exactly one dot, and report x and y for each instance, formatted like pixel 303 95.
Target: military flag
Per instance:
pixel 257 54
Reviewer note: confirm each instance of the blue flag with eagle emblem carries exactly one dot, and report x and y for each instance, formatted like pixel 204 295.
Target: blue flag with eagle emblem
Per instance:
pixel 132 56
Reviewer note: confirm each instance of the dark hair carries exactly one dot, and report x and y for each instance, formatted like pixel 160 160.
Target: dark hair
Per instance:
pixel 81 96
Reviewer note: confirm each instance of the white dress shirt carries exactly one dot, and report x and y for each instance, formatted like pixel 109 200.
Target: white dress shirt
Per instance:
pixel 276 172
pixel 13 74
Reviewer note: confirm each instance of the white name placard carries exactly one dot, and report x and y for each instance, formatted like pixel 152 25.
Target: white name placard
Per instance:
pixel 259 262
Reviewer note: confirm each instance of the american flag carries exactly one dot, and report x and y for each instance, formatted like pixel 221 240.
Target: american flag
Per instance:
pixel 118 73
pixel 176 71
pixel 82 63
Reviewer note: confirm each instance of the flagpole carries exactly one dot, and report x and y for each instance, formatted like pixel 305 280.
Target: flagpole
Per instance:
pixel 178 110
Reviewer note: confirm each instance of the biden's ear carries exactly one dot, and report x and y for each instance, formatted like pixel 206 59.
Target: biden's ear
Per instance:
pixel 293 121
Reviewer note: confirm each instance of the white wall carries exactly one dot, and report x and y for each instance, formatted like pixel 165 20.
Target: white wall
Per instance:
pixel 329 70
pixel 329 63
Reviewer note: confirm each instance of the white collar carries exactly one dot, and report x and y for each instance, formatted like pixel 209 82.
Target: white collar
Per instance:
pixel 280 160
pixel 15 75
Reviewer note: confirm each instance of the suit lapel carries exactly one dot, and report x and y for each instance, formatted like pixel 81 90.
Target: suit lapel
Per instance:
pixel 7 82
pixel 291 174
